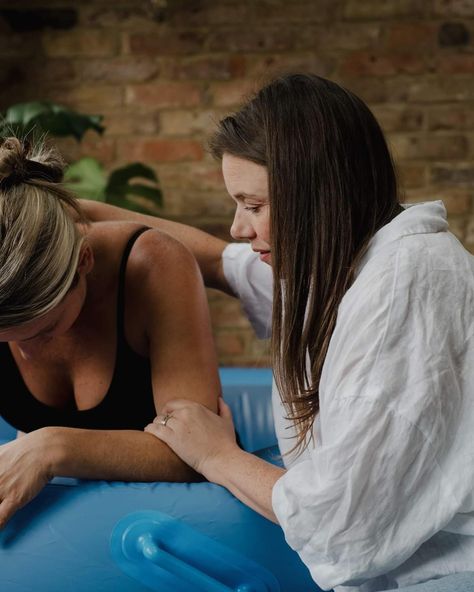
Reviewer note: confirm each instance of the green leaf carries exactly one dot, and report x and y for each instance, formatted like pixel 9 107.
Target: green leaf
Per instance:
pixel 119 179
pixel 43 116
pixel 86 178
pixel 119 188
pixel 23 113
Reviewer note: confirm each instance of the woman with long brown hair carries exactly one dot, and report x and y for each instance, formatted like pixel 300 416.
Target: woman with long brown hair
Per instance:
pixel 372 344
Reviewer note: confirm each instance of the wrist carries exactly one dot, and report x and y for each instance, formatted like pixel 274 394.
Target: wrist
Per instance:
pixel 218 468
pixel 51 446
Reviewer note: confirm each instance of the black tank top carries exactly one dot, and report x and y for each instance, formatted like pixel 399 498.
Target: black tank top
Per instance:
pixel 128 403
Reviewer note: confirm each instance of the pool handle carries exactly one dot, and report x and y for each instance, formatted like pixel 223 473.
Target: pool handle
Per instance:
pixel 178 568
pixel 167 555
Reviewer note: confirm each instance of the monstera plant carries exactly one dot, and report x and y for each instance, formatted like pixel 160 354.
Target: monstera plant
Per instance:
pixel 134 186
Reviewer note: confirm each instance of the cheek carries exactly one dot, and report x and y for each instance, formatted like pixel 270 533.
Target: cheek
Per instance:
pixel 264 229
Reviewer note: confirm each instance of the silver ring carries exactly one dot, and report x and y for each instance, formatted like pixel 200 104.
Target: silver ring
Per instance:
pixel 165 419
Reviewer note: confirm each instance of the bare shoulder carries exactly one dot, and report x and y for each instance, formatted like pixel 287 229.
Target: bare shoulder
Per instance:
pixel 155 249
pixel 159 265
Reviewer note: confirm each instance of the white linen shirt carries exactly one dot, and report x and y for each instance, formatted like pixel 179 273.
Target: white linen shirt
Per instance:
pixel 385 496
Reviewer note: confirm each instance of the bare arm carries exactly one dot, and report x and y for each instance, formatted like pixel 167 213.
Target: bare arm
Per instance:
pixel 207 249
pixel 250 479
pixel 207 442
pixel 171 306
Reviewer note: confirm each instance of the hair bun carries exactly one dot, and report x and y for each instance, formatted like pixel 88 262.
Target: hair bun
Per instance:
pixel 22 163
pixel 12 160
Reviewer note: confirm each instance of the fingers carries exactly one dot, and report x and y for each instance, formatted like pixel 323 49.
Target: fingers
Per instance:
pixel 7 509
pixel 177 404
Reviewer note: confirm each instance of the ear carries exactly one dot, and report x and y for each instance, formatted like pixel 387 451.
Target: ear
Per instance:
pixel 86 259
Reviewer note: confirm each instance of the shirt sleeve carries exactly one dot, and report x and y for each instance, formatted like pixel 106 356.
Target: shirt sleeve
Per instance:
pixel 251 281
pixel 389 473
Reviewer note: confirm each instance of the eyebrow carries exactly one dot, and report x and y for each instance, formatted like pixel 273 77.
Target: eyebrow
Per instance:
pixel 242 195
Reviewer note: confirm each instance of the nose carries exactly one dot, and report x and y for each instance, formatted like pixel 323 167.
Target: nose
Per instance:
pixel 241 227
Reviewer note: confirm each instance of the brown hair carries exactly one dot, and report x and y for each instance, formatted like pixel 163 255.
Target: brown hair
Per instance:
pixel 332 185
pixel 39 240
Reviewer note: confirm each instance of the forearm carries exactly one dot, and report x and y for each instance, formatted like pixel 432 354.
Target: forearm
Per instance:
pixel 115 455
pixel 249 478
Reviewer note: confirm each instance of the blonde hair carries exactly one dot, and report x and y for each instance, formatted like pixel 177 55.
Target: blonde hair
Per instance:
pixel 40 242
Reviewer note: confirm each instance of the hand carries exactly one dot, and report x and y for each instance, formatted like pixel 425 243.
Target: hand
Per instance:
pixel 23 472
pixel 197 435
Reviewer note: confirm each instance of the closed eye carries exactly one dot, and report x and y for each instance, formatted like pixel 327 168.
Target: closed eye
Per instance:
pixel 253 209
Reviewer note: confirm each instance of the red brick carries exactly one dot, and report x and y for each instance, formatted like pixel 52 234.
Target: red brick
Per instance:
pixel 32 72
pixel 419 36
pixel 374 9
pixel 164 94
pixel 118 70
pixel 458 226
pixel 103 149
pixel 458 8
pixel 456 201
pixel 375 90
pixel 277 11
pixel 160 150
pixel 451 117
pixel 187 123
pixel 411 175
pixel 219 227
pixel 267 66
pixel 363 63
pixel 206 13
pixel 94 145
pixel 135 16
pixel 213 204
pixel 469 237
pixel 120 123
pixel 228 94
pixel 347 36
pixel 227 312
pixel 393 118
pixel 199 175
pixel 230 343
pixel 68 147
pixel 165 42
pixel 21 45
pixel 256 39
pixel 88 98
pixel 192 204
pixel 443 88
pixel 206 67
pixel 453 174
pixel 432 147
pixel 82 42
pixel 460 63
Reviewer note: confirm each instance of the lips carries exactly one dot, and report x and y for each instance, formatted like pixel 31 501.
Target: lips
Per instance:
pixel 265 256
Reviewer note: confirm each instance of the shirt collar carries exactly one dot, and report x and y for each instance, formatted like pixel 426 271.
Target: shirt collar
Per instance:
pixel 421 218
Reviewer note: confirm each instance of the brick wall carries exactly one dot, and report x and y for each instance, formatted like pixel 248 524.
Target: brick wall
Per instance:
pixel 162 71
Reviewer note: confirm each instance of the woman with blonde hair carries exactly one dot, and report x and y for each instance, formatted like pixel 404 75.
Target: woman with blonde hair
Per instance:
pixel 101 325
pixel 372 341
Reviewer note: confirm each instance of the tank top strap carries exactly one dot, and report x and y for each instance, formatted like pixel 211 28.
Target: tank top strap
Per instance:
pixel 121 286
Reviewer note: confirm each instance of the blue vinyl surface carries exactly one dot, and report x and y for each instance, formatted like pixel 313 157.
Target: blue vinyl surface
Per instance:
pixel 60 541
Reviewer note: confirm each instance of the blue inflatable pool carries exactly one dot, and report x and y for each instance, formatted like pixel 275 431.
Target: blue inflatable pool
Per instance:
pixel 102 536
